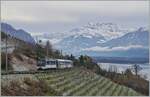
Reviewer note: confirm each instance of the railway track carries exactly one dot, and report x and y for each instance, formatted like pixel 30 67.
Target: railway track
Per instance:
pixel 34 72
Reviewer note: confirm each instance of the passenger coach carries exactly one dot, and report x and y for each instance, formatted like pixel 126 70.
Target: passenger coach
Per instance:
pixel 54 63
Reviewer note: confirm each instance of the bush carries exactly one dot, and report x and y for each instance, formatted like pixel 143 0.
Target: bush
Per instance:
pixel 128 73
pixel 27 87
pixel 3 61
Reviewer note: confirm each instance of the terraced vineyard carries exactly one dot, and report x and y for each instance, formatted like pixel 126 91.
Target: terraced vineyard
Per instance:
pixel 78 82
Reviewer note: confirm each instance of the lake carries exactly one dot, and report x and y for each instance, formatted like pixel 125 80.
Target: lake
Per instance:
pixel 122 67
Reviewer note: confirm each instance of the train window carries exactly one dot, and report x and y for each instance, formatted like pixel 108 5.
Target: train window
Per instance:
pixel 41 63
pixel 48 62
pixel 68 62
pixel 51 62
pixel 64 62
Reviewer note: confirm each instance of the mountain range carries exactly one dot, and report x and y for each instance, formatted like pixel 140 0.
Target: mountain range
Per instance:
pixel 93 39
pixel 106 39
pixel 17 33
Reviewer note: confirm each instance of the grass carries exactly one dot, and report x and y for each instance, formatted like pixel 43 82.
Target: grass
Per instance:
pixel 79 82
pixel 73 82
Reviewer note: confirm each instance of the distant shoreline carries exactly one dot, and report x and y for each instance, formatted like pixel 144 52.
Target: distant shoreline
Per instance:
pixel 122 67
pixel 121 60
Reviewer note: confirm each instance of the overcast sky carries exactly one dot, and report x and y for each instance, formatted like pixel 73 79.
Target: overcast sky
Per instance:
pixel 61 16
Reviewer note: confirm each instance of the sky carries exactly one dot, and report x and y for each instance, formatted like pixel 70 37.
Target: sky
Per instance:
pixel 60 16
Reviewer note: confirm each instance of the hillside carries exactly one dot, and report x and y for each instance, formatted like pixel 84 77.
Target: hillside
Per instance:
pixel 17 33
pixel 138 37
pixel 72 82
pixel 76 81
pixel 21 54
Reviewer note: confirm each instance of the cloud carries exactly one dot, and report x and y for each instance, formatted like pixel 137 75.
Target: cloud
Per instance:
pixel 119 48
pixel 31 15
pixel 36 34
pixel 62 16
pixel 69 11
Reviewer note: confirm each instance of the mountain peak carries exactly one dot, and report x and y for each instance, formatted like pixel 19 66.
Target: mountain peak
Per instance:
pixel 107 30
pixel 141 29
pixel 20 30
pixel 20 34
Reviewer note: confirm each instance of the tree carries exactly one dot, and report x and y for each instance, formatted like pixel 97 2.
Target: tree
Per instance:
pixel 113 68
pixel 57 54
pixel 3 61
pixel 48 48
pixel 128 72
pixel 81 60
pixel 40 41
pixel 72 57
pixel 136 68
pixel 39 50
pixel 66 57
pixel 3 35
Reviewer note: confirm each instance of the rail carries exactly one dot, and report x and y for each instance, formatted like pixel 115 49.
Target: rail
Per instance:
pixel 34 72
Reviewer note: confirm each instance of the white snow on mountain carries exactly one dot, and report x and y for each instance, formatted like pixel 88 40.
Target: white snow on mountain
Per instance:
pixel 91 30
pixel 105 37
pixel 107 30
pixel 119 48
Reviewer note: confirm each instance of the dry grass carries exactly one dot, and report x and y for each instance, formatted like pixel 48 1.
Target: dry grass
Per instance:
pixel 135 82
pixel 27 87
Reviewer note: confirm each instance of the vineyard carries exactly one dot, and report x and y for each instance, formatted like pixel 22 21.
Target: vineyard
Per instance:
pixel 82 82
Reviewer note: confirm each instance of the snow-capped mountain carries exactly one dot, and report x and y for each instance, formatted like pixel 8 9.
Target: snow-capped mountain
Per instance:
pixel 106 39
pixel 139 37
pixel 133 44
pixel 90 35
pixel 107 30
pixel 20 34
pixel 73 44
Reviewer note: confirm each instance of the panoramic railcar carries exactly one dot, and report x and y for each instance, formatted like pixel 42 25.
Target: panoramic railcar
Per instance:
pixel 61 63
pixel 54 63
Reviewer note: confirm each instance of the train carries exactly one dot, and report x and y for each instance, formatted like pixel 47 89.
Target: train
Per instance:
pixel 49 63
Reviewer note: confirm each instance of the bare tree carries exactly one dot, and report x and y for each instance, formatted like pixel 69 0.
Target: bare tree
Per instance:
pixel 128 72
pixel 49 50
pixel 113 68
pixel 6 53
pixel 136 68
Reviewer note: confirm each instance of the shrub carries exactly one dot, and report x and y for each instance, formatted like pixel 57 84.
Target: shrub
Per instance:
pixel 27 87
pixel 3 61
pixel 128 73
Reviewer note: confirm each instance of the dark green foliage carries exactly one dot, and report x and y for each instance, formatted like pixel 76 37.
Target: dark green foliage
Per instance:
pixel 49 50
pixel 40 53
pixel 128 72
pixel 3 35
pixel 56 54
pixel 136 68
pixel 72 57
pixel 128 79
pixel 3 61
pixel 25 49
pixel 82 60
pixel 87 62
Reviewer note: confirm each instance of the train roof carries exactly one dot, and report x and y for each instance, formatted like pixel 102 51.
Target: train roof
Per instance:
pixel 63 60
pixel 51 59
